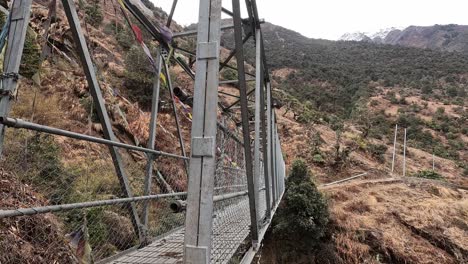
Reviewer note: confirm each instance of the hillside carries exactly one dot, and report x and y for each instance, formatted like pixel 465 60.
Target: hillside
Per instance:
pixel 372 87
pixel 341 101
pixel 387 221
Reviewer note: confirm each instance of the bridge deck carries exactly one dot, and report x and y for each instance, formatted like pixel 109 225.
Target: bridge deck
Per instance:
pixel 231 226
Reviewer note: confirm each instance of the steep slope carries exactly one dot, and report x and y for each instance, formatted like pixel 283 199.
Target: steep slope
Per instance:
pixel 388 221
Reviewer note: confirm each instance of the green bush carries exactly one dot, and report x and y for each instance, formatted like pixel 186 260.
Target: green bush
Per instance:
pixel 378 151
pixel 318 159
pixel 308 206
pixel 46 169
pixel 229 74
pixel 122 33
pixel 429 174
pixel 31 56
pixel 139 76
pixel 94 14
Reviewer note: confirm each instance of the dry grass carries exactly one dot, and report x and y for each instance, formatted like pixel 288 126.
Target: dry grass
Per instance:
pixel 29 239
pixel 411 221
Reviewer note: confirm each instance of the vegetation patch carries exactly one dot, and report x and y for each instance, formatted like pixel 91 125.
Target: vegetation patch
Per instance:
pixel 429 174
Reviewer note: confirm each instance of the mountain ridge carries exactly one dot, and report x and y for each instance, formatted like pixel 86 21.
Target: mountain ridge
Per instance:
pixel 450 37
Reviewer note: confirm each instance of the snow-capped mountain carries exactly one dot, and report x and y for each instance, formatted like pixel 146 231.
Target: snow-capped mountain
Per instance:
pixel 382 34
pixel 378 36
pixel 356 36
pixel 450 37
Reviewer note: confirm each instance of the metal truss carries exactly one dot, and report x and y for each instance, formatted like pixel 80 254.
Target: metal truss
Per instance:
pixel 250 194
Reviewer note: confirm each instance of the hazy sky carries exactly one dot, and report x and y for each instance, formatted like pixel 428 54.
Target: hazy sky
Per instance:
pixel 330 19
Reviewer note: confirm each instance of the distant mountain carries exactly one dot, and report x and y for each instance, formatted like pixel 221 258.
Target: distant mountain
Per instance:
pixel 442 37
pixel 439 37
pixel 367 36
pixel 348 67
pixel 356 36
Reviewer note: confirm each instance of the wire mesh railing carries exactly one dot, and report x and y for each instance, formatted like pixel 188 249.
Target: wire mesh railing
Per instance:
pixel 77 197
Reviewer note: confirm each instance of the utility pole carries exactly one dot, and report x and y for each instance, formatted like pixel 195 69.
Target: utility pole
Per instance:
pixel 394 147
pixel 433 161
pixel 404 156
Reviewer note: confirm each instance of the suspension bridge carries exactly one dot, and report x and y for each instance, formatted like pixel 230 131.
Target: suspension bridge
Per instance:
pixel 235 170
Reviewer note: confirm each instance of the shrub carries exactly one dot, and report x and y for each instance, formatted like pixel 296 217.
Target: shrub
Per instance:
pixel 94 14
pixel 229 74
pixel 378 151
pixel 307 116
pixel 138 76
pixel 36 159
pixel 318 159
pixel 429 174
pixel 308 206
pixel 122 33
pixel 47 169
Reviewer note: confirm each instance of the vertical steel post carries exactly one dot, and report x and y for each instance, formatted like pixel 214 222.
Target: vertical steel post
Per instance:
pixel 278 165
pixel 152 137
pixel 258 88
pixel 199 217
pixel 19 20
pixel 394 147
pixel 95 90
pixel 263 128
pixel 269 145
pixel 245 120
pixel 404 155
pixel 275 159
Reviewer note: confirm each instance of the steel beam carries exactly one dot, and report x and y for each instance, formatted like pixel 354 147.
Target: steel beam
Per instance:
pixel 95 91
pixel 195 32
pixel 258 106
pixel 152 136
pixel 19 21
pixel 239 100
pixel 245 121
pixel 234 51
pixel 67 207
pixel 171 14
pixel 266 162
pixel 199 217
pixel 269 144
pixel 227 12
pixel 234 81
pixel 176 115
pixel 275 159
pixel 18 123
pixel 227 66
